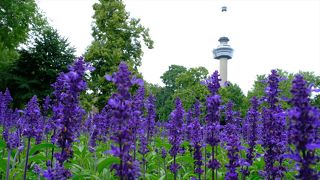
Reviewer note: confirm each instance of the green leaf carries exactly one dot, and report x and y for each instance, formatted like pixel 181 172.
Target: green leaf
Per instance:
pixel 107 163
pixel 38 158
pixel 3 164
pixel 38 147
pixel 2 144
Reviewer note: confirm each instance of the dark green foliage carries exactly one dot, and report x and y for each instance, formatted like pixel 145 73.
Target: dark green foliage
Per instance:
pixel 38 66
pixel 234 93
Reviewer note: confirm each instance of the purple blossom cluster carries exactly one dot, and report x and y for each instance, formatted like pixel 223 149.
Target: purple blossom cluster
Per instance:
pixel 175 137
pixel 231 143
pixel 212 126
pixel 137 119
pixel 274 132
pixel 150 122
pixel 99 127
pixel 196 133
pixel 304 126
pixel 67 115
pixel 32 121
pixel 147 127
pixel 9 121
pixel 122 122
pixel 5 111
pixel 252 132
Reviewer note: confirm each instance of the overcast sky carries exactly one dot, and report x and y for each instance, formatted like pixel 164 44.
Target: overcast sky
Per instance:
pixel 268 34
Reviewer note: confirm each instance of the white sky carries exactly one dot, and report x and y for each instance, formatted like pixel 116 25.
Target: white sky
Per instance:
pixel 268 34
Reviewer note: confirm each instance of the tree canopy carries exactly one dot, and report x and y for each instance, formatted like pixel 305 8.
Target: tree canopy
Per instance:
pixel 285 85
pixel 38 65
pixel 16 17
pixel 117 37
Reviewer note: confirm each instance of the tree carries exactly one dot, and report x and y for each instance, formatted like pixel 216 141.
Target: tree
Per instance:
pixel 179 82
pixel 233 93
pixel 38 65
pixel 15 19
pixel 117 37
pixel 189 86
pixel 285 86
pixel 169 77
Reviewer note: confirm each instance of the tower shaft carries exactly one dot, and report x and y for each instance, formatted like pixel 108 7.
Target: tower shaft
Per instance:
pixel 223 71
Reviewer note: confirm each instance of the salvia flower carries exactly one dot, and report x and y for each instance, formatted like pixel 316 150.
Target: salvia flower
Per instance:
pixel 46 108
pixel 33 120
pixel 122 111
pixel 12 139
pixel 304 122
pixel 175 127
pixel 5 111
pixel 67 115
pixel 189 120
pixel 212 126
pixel 58 172
pixel 274 132
pixel 99 127
pixel 136 121
pixel 252 132
pixel 143 147
pixel 213 83
pixel 232 143
pixel 150 118
pixel 9 118
pixel 196 138
pixel 163 153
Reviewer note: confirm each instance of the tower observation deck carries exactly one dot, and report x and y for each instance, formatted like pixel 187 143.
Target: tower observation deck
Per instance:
pixel 223 53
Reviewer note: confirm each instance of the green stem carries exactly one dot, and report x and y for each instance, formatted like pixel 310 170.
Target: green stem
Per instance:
pixel 8 165
pixel 165 168
pixel 27 157
pixel 212 172
pixel 52 151
pixel 216 149
pixel 205 162
pixel 95 161
pixel 46 147
pixel 174 163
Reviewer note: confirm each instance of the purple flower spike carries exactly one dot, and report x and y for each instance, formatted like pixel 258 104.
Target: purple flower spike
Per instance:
pixel 274 133
pixel 33 120
pixel 213 83
pixel 196 133
pixel 124 114
pixel 232 143
pixel 304 126
pixel 5 111
pixel 163 153
pixel 175 127
pixel 67 115
pixel 212 127
pixel 252 132
pixel 151 116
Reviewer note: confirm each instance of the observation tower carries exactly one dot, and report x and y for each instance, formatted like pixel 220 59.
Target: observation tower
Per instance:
pixel 223 53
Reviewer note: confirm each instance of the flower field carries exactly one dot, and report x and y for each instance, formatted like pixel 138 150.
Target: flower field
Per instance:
pixel 57 139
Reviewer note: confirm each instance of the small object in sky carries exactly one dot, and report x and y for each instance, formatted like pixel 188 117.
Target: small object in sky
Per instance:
pixel 224 8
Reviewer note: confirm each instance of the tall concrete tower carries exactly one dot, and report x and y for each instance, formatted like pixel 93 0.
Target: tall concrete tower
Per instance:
pixel 223 53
